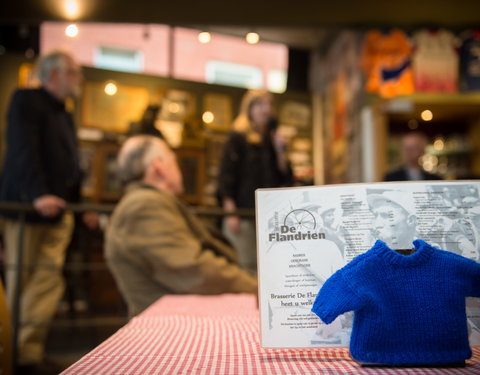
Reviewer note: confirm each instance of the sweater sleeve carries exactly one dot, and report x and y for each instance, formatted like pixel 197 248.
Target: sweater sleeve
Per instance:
pixel 475 287
pixel 335 298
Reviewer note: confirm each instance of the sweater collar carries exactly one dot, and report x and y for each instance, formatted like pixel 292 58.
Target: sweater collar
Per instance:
pixel 420 256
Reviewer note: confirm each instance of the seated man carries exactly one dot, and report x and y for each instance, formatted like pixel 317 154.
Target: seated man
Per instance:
pixel 154 245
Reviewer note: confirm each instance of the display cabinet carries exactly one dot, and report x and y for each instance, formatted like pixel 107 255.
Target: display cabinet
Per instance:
pixel 98 162
pixel 101 182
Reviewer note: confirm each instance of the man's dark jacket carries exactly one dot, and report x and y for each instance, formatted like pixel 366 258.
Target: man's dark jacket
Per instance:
pixel 42 155
pixel 402 175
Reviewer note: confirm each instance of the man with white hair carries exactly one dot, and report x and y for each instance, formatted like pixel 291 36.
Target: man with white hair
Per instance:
pixel 154 245
pixel 41 167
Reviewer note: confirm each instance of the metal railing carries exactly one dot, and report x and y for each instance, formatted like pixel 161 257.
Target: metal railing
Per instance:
pixel 22 209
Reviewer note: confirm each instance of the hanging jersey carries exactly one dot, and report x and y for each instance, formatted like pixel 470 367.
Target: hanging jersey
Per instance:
pixel 470 62
pixel 386 63
pixel 435 61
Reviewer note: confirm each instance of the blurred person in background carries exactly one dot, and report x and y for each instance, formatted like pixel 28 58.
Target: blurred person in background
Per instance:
pixel 254 156
pixel 412 149
pixel 154 245
pixel 41 167
pixel 146 125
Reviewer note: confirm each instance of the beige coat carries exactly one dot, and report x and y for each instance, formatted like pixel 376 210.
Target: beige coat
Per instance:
pixel 155 246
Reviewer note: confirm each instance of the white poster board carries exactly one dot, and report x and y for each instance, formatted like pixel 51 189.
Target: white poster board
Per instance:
pixel 305 234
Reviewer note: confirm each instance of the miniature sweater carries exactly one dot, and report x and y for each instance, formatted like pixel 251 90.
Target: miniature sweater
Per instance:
pixel 408 309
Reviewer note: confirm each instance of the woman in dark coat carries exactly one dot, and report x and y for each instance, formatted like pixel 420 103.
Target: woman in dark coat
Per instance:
pixel 253 157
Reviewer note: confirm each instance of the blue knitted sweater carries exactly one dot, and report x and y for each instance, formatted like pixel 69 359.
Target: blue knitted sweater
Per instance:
pixel 409 309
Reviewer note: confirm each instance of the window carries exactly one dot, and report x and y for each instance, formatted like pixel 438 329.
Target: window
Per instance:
pixel 229 60
pixel 230 74
pixel 118 59
pixel 172 51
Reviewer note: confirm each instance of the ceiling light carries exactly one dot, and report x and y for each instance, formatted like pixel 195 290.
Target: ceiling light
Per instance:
pixel 426 115
pixel 71 30
pixel 439 144
pixel 110 88
pixel 252 38
pixel 412 124
pixel 71 9
pixel 208 117
pixel 204 37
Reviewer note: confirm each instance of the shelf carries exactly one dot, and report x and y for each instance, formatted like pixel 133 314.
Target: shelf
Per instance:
pixel 451 153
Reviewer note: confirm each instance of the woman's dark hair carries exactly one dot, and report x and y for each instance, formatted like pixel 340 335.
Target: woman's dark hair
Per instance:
pixel 147 123
pixel 272 124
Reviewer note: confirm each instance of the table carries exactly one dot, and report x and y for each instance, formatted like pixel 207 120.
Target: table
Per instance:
pixel 193 334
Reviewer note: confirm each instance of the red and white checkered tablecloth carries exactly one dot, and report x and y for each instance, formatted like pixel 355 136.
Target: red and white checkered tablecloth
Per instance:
pixel 220 335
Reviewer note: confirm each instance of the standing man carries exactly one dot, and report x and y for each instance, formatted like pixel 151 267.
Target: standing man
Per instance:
pixel 412 149
pixel 41 167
